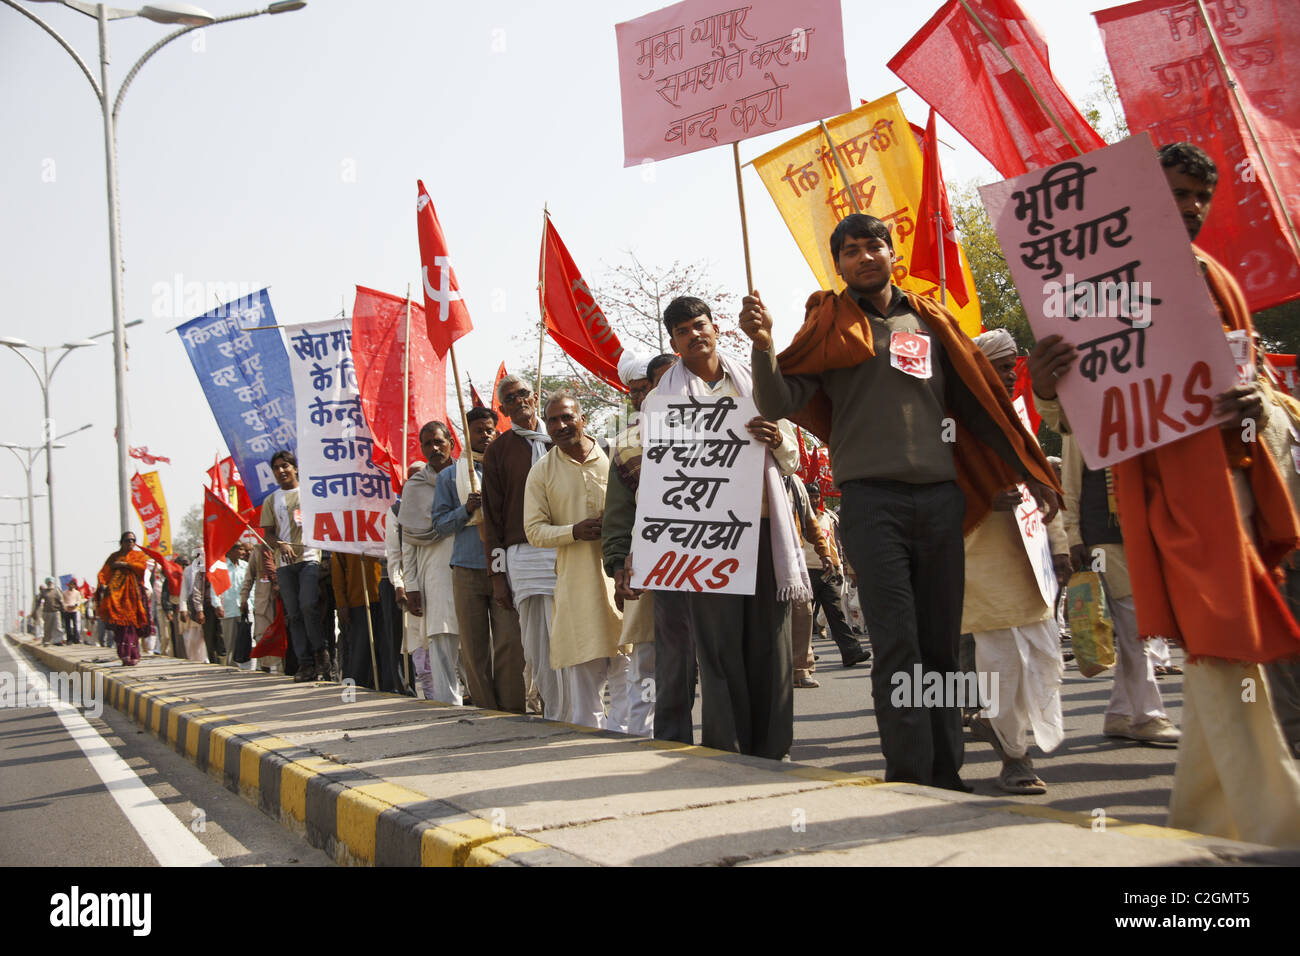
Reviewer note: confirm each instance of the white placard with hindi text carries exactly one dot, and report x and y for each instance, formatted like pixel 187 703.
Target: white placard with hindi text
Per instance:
pixel 699 503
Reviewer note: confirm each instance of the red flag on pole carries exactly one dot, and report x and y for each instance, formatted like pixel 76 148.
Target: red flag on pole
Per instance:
pixel 983 65
pixel 935 252
pixel 224 479
pixel 503 420
pixel 572 316
pixel 222 527
pixel 446 316
pixel 170 568
pixel 378 352
pixel 1175 87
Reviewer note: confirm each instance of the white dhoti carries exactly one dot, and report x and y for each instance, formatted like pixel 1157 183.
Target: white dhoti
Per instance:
pixel 1027 663
pixel 530 573
pixel 581 690
pixel 436 665
pixel 195 647
pixel 631 691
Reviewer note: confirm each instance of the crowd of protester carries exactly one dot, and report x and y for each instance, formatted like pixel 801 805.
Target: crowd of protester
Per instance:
pixel 507 578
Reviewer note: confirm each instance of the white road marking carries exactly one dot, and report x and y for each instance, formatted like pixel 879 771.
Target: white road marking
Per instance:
pixel 169 840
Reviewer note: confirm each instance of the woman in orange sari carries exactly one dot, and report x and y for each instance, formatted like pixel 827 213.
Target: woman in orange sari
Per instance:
pixel 120 599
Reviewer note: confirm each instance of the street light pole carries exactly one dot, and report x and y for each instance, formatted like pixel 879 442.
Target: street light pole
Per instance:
pixel 31 523
pixel 191 18
pixel 32 452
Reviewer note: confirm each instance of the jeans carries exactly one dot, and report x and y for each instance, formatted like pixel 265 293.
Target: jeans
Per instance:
pixel 299 590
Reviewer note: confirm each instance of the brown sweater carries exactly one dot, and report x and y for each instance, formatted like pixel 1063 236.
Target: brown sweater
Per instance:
pixel 506 464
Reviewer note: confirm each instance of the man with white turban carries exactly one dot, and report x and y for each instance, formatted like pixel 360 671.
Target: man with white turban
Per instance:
pixel 1017 645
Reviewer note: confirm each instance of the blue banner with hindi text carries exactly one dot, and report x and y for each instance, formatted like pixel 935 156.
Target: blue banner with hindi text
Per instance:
pixel 245 378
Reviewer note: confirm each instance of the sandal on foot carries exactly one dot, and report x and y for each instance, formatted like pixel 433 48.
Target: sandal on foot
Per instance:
pixel 1018 776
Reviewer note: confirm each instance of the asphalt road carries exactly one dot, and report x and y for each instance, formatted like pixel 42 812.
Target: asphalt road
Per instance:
pixel 57 810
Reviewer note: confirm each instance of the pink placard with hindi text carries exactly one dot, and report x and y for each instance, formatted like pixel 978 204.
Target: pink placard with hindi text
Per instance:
pixel 1101 257
pixel 705 73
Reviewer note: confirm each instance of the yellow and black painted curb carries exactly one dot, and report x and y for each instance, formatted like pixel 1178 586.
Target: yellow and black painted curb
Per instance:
pixel 355 817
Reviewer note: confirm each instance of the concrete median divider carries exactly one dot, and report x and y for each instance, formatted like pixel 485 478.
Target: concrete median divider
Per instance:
pixel 382 780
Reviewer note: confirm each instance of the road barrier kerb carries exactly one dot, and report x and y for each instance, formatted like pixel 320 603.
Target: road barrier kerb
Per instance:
pixel 356 818
pixel 360 819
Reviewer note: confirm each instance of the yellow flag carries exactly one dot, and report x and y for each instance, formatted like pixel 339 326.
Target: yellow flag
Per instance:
pixel 880 155
pixel 165 533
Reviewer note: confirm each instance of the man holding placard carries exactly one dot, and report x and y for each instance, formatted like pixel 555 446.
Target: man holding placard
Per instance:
pixel 741 637
pixel 1206 520
pixel 922 438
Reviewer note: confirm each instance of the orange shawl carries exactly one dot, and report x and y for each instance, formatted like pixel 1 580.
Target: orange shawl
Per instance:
pixel 1197 576
pixel 122 603
pixel 836 334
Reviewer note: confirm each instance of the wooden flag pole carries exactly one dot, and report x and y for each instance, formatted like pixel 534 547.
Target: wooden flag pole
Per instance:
pixel 744 224
pixel 464 422
pixel 839 164
pixel 541 334
pixel 406 420
pixel 1024 79
pixel 370 627
pixel 406 383
pixel 1250 127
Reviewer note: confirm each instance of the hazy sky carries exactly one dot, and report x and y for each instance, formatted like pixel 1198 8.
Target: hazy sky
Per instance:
pixel 284 151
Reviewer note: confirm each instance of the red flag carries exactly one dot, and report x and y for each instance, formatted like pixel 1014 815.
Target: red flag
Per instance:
pixel 446 316
pixel 1024 389
pixel 224 479
pixel 222 527
pixel 955 67
pixel 573 318
pixel 475 400
pixel 378 334
pixel 274 641
pixel 170 568
pixel 503 420
pixel 933 243
pixel 1174 87
pixel 143 454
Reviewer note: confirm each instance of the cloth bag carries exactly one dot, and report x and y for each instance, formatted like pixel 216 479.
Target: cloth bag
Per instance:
pixel 1092 633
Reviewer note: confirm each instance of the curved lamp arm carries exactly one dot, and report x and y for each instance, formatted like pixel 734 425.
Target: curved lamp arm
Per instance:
pixel 99 94
pixel 126 80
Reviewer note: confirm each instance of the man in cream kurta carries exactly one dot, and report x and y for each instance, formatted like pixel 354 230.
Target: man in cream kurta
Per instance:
pixel 563 503
pixel 1016 640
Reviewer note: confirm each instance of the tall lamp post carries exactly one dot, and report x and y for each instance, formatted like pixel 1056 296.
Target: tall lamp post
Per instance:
pixel 31 526
pixel 189 17
pixel 32 451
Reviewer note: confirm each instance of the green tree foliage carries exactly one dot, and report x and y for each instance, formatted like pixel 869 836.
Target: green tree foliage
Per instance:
pixel 633 297
pixel 189 538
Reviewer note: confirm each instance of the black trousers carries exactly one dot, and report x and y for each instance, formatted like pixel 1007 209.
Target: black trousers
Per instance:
pixel 905 543
pixel 356 650
pixel 674 669
pixel 742 644
pixel 827 599
pixel 388 645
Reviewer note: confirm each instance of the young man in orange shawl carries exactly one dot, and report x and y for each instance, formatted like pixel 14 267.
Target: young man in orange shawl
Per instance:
pixel 922 438
pixel 120 602
pixel 1206 523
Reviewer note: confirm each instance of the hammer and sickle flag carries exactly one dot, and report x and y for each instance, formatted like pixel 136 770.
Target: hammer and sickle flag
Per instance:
pixel 446 316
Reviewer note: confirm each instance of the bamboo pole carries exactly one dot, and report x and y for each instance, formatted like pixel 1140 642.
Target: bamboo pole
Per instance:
pixel 1024 79
pixel 839 164
pixel 464 422
pixel 406 421
pixel 541 284
pixel 1250 128
pixel 370 627
pixel 744 224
